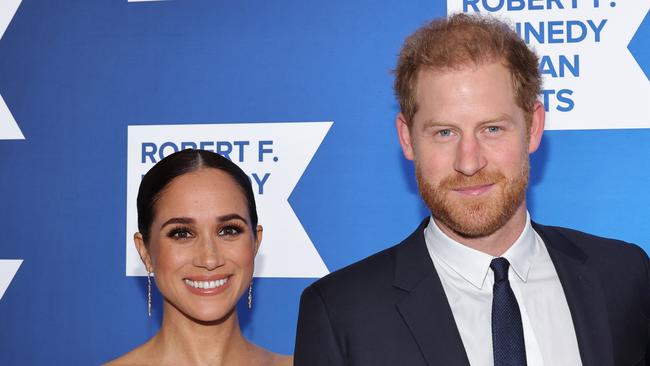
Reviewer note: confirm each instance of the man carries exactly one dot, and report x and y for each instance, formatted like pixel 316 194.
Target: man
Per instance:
pixel 478 283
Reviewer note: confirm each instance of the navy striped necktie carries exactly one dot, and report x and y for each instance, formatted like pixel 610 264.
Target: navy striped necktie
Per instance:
pixel 507 331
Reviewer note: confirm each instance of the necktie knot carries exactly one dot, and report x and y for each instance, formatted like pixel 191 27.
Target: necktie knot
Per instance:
pixel 500 267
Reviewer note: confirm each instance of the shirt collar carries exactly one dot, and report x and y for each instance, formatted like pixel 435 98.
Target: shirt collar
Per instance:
pixel 473 265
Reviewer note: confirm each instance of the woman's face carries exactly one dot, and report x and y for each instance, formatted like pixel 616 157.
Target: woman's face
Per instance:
pixel 201 245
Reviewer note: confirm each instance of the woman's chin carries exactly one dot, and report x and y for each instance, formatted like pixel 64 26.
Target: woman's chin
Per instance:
pixel 211 315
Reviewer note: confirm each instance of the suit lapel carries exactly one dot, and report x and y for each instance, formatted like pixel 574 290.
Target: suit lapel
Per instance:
pixel 584 296
pixel 425 308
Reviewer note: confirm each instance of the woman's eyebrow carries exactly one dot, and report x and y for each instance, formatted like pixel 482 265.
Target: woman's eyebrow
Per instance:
pixel 178 220
pixel 232 216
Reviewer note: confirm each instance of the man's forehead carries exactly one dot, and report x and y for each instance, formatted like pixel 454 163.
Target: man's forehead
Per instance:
pixel 460 67
pixel 470 78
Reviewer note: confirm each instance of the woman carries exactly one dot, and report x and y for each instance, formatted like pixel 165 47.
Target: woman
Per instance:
pixel 198 233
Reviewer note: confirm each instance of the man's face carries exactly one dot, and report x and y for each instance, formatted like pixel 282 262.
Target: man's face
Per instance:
pixel 470 144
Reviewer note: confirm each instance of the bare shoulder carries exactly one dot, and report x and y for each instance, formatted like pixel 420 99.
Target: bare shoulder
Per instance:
pixel 265 357
pixel 124 360
pixel 137 357
pixel 281 360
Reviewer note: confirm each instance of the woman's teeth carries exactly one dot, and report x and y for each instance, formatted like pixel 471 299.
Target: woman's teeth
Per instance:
pixel 206 284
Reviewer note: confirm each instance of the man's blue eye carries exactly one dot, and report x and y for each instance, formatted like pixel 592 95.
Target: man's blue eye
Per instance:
pixel 445 133
pixel 494 129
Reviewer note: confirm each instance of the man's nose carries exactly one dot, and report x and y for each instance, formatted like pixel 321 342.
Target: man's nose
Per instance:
pixel 469 156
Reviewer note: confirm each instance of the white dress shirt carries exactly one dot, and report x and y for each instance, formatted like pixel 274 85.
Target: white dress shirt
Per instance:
pixel 467 280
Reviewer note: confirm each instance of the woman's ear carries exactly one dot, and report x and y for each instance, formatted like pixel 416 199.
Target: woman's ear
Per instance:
pixel 258 237
pixel 143 251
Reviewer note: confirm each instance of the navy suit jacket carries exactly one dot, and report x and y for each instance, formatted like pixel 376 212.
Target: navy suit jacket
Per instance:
pixel 391 308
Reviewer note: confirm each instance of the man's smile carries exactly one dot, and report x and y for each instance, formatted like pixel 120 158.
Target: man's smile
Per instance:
pixel 476 190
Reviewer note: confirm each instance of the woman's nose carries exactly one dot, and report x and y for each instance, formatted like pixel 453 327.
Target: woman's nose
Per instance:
pixel 208 254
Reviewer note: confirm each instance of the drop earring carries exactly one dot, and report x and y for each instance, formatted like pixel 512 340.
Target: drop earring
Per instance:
pixel 149 293
pixel 250 295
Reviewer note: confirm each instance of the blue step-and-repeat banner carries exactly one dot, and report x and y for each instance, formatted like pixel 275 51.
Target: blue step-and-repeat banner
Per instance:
pixel 299 93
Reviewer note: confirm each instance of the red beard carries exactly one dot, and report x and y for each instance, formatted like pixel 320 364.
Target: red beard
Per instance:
pixel 475 217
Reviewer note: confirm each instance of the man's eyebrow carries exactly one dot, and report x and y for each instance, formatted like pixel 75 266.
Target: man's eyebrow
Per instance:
pixel 178 220
pixel 500 118
pixel 434 123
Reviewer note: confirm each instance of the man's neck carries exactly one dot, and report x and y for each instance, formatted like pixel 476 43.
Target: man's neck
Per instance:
pixel 496 243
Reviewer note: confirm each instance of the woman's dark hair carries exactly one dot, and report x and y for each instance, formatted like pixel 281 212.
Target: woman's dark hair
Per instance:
pixel 177 164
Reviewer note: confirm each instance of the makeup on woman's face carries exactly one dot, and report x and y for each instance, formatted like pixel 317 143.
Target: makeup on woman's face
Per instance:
pixel 202 246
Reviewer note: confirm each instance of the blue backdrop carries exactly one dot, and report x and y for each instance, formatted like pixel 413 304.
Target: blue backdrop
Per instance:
pixel 75 74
